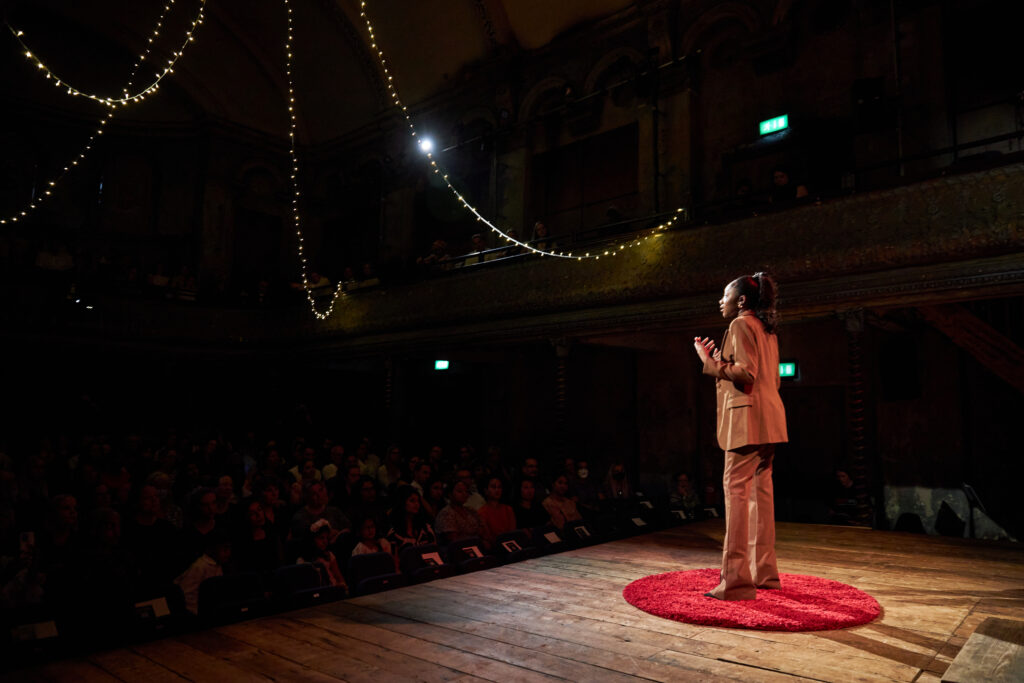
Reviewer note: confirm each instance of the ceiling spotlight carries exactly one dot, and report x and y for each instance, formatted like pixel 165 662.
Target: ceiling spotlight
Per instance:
pixel 426 145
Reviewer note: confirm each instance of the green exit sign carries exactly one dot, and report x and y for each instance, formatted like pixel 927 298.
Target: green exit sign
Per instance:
pixel 788 370
pixel 440 365
pixel 774 125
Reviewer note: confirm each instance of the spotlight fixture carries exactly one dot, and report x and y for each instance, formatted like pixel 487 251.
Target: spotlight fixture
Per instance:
pixel 426 145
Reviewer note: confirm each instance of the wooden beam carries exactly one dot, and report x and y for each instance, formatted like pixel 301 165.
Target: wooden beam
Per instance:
pixel 989 346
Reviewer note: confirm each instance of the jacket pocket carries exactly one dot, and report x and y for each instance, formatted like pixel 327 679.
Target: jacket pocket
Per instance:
pixel 740 401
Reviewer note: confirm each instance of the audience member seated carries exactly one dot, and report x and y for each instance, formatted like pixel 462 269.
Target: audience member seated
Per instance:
pixel 684 497
pixel 784 191
pixel 369 540
pixel 618 491
pixel 344 490
pixel 474 500
pixel 107 571
pixel 498 518
pixel 367 458
pixel 318 540
pixel 560 508
pixel 540 238
pixel 529 513
pixel 420 477
pixel 306 470
pixel 437 462
pixel 369 504
pixel 201 523
pixel 437 258
pixel 216 554
pixel 153 540
pixel 226 501
pixel 337 463
pixel 316 507
pixel 585 489
pixel 434 499
pixel 368 276
pixel 169 510
pixel 477 245
pixel 275 510
pixel 390 473
pixel 408 525
pixel 530 469
pixel 842 502
pixel 494 465
pixel 455 521
pixel 257 546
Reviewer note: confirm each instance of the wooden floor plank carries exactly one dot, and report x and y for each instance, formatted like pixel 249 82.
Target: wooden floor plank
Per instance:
pixel 399 663
pixel 254 660
pixel 468 654
pixel 188 662
pixel 563 616
pixel 77 670
pixel 130 666
pixel 278 637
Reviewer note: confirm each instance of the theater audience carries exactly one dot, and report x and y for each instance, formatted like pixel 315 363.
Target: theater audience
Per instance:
pixel 139 547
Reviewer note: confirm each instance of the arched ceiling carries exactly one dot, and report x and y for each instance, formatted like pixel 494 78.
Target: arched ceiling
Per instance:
pixel 234 70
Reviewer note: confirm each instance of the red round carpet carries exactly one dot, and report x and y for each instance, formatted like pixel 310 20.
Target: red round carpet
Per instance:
pixel 804 603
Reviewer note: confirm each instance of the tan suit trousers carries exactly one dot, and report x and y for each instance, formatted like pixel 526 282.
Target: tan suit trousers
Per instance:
pixel 748 554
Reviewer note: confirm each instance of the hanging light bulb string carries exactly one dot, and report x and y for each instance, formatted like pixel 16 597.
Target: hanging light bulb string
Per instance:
pixel 339 287
pixel 390 82
pixel 51 185
pixel 127 96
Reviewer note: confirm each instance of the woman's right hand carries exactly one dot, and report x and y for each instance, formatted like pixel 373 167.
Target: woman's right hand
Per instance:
pixel 706 348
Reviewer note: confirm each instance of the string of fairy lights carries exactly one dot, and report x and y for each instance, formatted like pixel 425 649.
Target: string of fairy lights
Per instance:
pixel 128 97
pixel 436 168
pixel 338 288
pixel 111 103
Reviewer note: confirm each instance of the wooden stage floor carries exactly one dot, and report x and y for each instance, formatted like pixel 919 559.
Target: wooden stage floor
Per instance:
pixel 563 616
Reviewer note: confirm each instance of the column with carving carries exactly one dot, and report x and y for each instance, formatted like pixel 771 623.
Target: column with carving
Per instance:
pixel 561 345
pixel 856 416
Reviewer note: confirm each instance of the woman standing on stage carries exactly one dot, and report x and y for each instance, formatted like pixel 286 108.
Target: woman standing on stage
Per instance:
pixel 751 420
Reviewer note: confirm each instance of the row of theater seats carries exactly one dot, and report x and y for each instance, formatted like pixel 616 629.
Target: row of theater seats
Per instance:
pixel 38 635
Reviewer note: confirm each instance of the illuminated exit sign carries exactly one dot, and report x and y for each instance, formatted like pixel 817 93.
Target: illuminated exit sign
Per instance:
pixel 440 365
pixel 774 125
pixel 788 370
